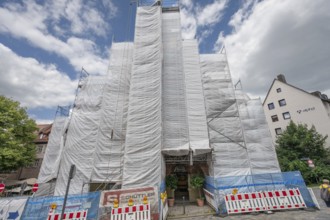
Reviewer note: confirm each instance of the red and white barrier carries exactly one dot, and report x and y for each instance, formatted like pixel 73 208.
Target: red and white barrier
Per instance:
pixel 284 199
pixel 264 201
pixel 210 199
pixel 136 212
pixel 78 215
pixel 245 202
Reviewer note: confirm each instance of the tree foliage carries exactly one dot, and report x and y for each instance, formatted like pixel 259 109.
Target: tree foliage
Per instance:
pixel 299 143
pixel 16 136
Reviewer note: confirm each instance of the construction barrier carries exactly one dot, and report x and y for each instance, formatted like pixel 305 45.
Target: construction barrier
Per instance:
pixel 222 186
pixel 264 201
pixel 78 215
pixel 37 208
pixel 124 195
pixel 245 202
pixel 210 199
pixel 136 212
pixel 12 207
pixel 284 199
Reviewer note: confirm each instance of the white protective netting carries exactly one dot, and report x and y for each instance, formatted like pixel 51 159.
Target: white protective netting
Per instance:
pixel 198 133
pixel 174 109
pixel 81 136
pixel 53 153
pixel 229 155
pixel 110 142
pixel 258 139
pixel 160 97
pixel 143 162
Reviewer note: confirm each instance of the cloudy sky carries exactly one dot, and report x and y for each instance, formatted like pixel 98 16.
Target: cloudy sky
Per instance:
pixel 44 44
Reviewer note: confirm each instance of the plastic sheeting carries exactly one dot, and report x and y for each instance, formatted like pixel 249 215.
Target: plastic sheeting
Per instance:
pixel 229 155
pixel 261 151
pixel 12 207
pixel 143 158
pixel 52 157
pixel 198 133
pixel 46 189
pixel 81 136
pixel 161 97
pixel 175 125
pixel 258 182
pixel 110 141
pixel 37 208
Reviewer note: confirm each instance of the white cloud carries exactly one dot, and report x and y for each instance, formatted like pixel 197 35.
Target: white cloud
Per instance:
pixel 32 83
pixel 272 37
pixel 29 21
pixel 43 121
pixel 211 13
pixel 195 17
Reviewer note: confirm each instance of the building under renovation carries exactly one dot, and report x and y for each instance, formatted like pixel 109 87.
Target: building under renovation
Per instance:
pixel 163 108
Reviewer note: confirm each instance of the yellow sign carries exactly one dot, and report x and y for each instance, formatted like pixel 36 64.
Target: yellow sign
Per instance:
pixel 145 200
pixel 115 203
pixel 53 206
pixel 130 202
pixel 235 191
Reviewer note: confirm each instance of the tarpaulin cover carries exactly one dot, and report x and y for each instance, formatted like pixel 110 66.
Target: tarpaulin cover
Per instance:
pixel 12 207
pixel 198 133
pixel 96 133
pixel 221 186
pixel 174 109
pixel 229 155
pixel 81 136
pixel 143 158
pixel 159 97
pixel 259 144
pixel 37 208
pixel 53 153
pixel 110 139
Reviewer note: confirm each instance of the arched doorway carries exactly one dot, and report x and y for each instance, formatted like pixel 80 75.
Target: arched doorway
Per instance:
pixel 184 173
pixel 181 193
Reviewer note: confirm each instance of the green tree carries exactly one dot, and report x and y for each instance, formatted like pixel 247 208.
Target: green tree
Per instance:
pixel 16 136
pixel 296 144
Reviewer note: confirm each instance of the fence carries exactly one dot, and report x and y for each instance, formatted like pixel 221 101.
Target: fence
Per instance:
pixel 221 186
pixel 12 207
pixel 38 208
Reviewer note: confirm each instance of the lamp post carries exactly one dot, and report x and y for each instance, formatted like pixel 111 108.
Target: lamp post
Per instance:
pixel 71 175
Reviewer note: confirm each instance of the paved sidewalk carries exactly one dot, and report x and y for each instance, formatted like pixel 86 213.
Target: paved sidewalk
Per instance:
pixel 193 212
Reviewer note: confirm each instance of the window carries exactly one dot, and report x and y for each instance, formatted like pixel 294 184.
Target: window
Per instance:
pixel 274 118
pixel 286 115
pixel 39 148
pixel 37 162
pixel 278 90
pixel 278 131
pixel 271 106
pixel 282 102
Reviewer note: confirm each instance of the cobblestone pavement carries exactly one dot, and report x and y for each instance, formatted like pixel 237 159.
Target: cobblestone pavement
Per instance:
pixel 193 212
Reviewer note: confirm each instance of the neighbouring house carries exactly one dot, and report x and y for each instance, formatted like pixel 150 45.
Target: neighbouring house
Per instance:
pixel 32 171
pixel 285 102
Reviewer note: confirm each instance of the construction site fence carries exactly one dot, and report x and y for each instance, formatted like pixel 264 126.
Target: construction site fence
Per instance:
pixel 38 208
pixel 222 186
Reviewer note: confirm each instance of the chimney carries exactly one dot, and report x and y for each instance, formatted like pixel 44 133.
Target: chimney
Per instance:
pixel 281 78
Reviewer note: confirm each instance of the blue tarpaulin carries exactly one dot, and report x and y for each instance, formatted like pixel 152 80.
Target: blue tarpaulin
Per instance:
pixel 253 183
pixel 37 208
